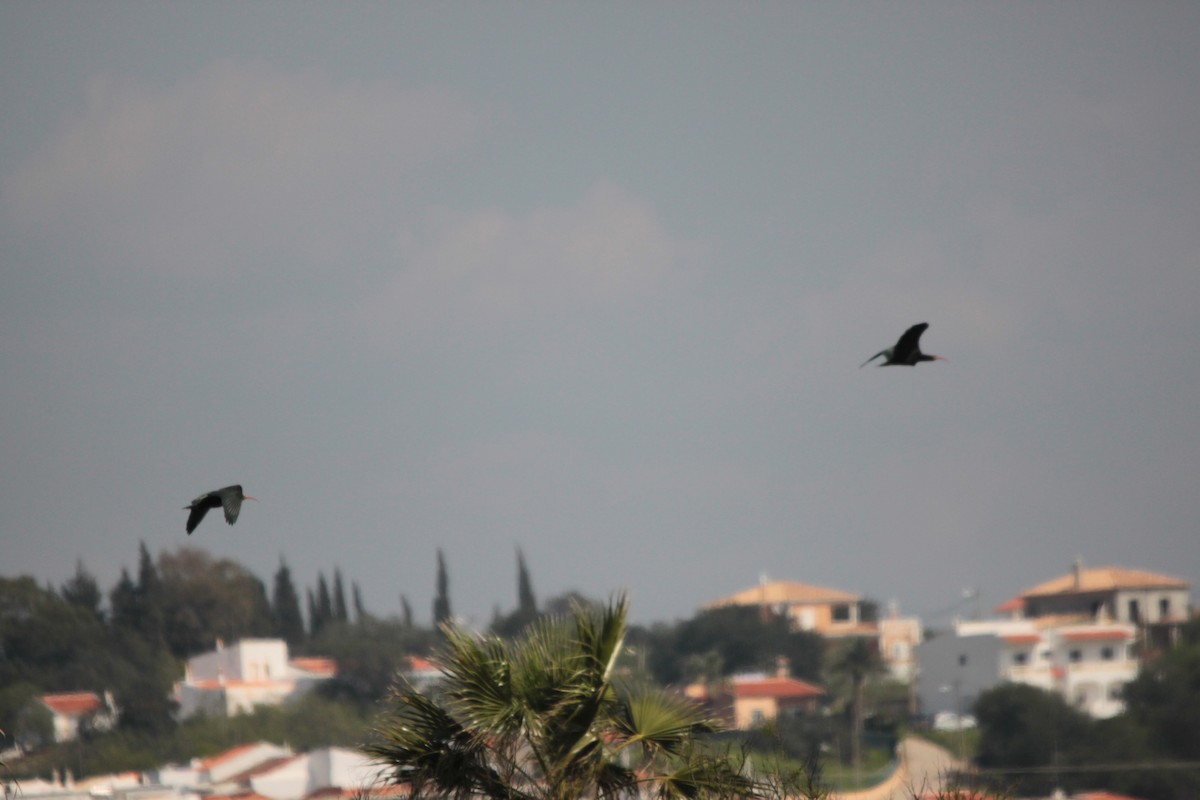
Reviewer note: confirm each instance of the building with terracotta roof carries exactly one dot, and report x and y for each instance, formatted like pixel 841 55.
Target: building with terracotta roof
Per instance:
pixel 834 613
pixel 758 700
pixel 69 711
pixel 1078 635
pixel 807 607
pixel 252 672
pixel 1136 596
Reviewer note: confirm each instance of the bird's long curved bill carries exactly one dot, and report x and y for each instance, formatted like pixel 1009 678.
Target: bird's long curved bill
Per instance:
pixel 248 497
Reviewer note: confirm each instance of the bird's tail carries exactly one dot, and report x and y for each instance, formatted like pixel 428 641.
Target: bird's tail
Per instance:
pixel 872 358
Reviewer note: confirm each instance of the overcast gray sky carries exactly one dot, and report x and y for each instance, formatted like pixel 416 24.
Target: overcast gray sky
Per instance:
pixel 595 279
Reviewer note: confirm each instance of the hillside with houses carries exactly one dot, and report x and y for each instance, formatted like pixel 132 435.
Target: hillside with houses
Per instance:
pixel 193 682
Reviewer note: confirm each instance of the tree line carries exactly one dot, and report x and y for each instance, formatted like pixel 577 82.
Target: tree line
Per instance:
pixel 133 639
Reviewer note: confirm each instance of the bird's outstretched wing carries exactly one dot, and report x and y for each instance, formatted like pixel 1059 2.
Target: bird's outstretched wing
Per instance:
pixel 910 341
pixel 877 355
pixel 198 508
pixel 232 501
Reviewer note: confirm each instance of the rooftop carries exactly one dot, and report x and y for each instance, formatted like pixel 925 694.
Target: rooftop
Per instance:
pixel 72 704
pixel 778 688
pixel 1104 579
pixel 772 593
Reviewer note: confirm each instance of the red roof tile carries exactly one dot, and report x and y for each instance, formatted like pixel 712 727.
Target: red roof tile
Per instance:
pixel 1103 579
pixel 72 704
pixel 231 753
pixel 321 666
pixel 779 688
pixel 1022 638
pixel 1102 633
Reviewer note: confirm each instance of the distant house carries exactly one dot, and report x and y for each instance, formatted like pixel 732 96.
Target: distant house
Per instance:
pixel 1077 635
pixel 829 612
pixel 252 672
pixel 71 711
pixel 1157 604
pixel 834 613
pixel 421 673
pixel 758 700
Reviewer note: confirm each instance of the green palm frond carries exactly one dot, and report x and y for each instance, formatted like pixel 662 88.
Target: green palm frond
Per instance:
pixel 704 775
pixel 540 718
pixel 660 720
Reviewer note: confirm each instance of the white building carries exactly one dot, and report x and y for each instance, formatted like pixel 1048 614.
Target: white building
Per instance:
pixel 1074 635
pixel 233 680
pixel 1087 663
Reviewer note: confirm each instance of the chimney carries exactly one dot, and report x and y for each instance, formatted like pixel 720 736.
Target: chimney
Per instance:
pixel 1077 571
pixel 782 667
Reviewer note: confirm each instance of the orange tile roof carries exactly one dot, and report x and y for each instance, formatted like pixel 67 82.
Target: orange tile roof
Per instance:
pixel 777 592
pixel 317 664
pixel 260 769
pixel 72 704
pixel 231 753
pixel 1099 633
pixel 1104 796
pixel 1015 604
pixel 1103 579
pixel 779 688
pixel 417 664
pixel 1022 638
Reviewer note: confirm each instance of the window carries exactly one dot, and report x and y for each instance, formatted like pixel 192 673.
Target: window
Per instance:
pixel 841 613
pixel 1107 653
pixel 1164 608
pixel 962 659
pixel 1135 612
pixel 1020 659
pixel 1076 656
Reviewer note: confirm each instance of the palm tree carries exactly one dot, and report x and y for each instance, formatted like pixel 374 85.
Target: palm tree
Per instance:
pixel 543 718
pixel 857 661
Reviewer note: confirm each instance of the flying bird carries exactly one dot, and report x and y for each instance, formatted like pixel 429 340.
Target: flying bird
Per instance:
pixel 907 350
pixel 230 498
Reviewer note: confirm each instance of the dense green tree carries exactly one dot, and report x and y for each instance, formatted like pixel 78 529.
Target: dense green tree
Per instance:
pixel 324 614
pixel 206 599
pixel 286 620
pixel 83 591
pixel 740 636
pixel 858 661
pixel 123 603
pixel 541 718
pixel 526 611
pixel 360 611
pixel 368 654
pixel 1024 727
pixel 341 612
pixel 441 601
pixel 406 614
pixel 149 605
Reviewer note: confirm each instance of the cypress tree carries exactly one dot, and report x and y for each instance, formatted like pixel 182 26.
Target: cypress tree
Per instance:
pixel 406 612
pixel 360 613
pixel 286 620
pixel 83 591
pixel 339 598
pixel 441 602
pixel 324 603
pixel 526 602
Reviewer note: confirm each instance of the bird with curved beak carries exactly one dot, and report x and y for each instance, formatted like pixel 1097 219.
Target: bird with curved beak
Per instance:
pixel 907 350
pixel 230 498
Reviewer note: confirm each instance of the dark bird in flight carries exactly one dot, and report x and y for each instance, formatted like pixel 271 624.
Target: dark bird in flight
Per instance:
pixel 230 498
pixel 907 350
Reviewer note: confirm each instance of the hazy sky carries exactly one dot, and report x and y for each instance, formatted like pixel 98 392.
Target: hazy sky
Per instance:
pixel 595 279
